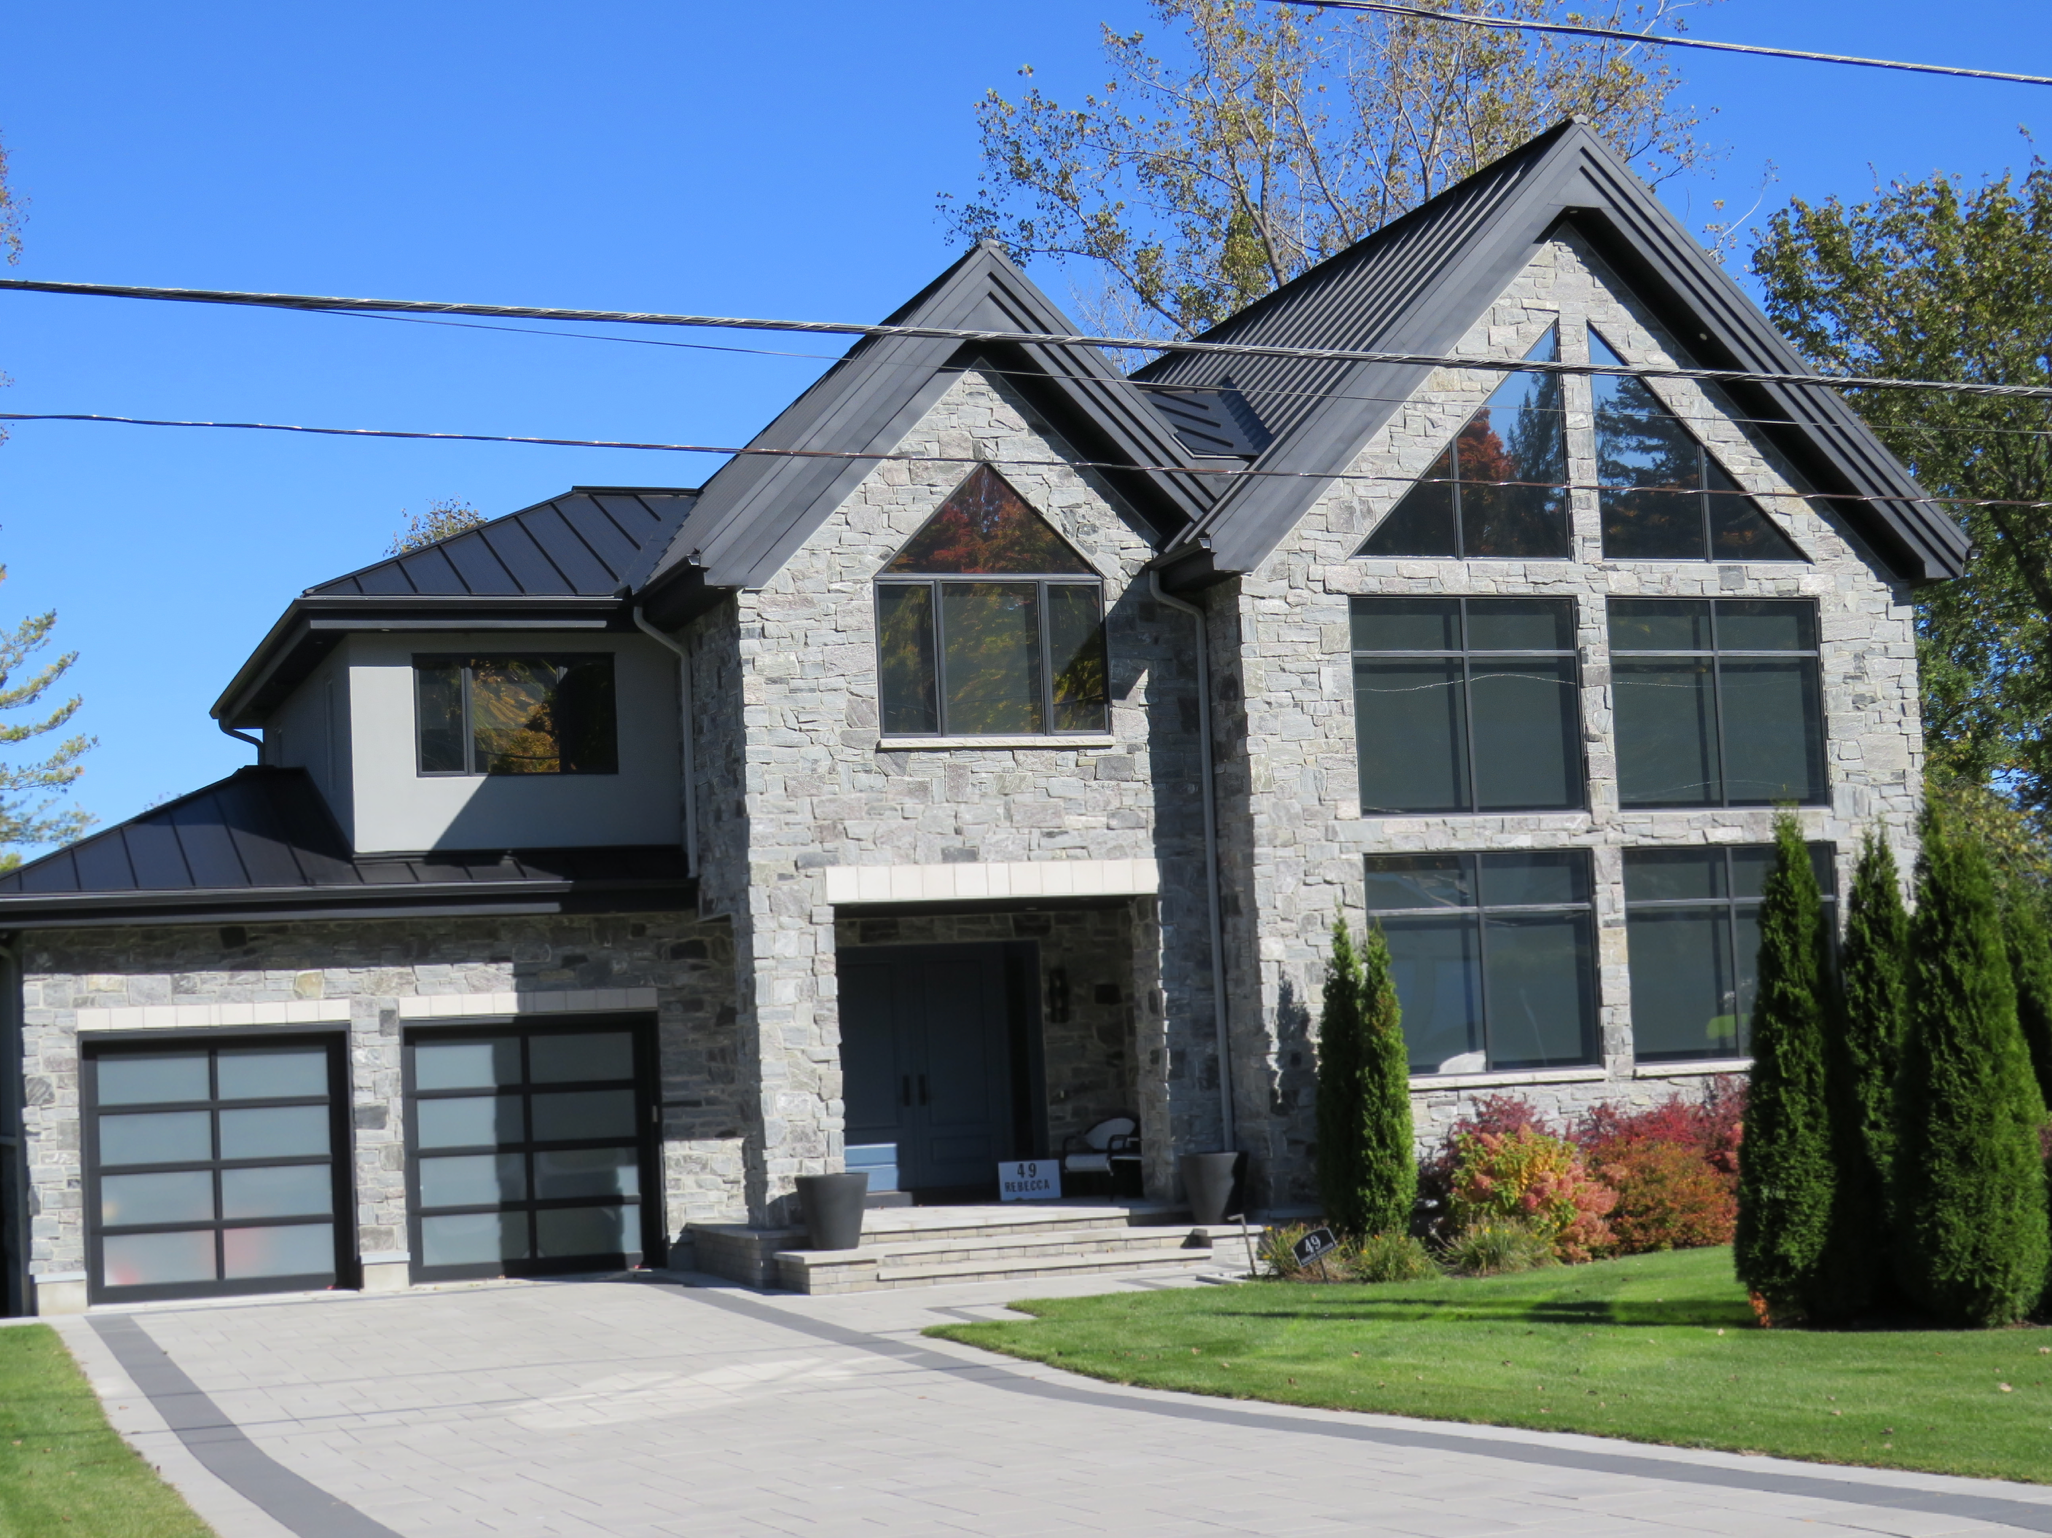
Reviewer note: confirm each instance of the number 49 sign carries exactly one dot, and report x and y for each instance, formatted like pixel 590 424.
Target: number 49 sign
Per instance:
pixel 1314 1246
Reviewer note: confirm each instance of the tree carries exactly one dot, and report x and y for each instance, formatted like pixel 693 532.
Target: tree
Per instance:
pixel 1786 1176
pixel 11 207
pixel 24 820
pixel 1929 281
pixel 1367 1167
pixel 1264 140
pixel 1971 1236
pixel 445 519
pixel 1874 973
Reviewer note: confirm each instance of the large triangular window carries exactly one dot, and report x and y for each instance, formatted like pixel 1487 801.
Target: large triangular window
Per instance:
pixel 1500 489
pixel 961 655
pixel 1661 494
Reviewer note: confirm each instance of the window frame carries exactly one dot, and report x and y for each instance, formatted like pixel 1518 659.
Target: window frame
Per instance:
pixel 465 663
pixel 648 1203
pixel 1573 651
pixel 1814 655
pixel 1591 1053
pixel 1042 581
pixel 97 1047
pixel 1823 859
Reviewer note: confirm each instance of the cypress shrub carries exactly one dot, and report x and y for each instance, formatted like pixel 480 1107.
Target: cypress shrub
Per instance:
pixel 1971 1236
pixel 1786 1177
pixel 1874 966
pixel 2030 968
pixel 1367 1168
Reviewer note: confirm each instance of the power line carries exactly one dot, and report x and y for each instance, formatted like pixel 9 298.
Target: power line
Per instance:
pixel 1022 338
pixel 1661 40
pixel 883 456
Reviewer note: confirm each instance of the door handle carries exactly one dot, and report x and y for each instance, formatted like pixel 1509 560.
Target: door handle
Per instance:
pixel 922 1089
pixel 905 1090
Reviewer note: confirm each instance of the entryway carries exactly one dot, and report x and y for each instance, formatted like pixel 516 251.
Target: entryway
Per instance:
pixel 938 1063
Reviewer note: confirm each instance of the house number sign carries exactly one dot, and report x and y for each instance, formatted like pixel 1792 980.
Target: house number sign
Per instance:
pixel 1030 1180
pixel 1314 1246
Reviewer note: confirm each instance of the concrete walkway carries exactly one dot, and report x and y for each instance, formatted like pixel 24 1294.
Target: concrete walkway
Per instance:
pixel 635 1409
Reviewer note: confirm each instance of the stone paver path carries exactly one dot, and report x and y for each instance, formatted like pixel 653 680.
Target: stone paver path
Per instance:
pixel 636 1409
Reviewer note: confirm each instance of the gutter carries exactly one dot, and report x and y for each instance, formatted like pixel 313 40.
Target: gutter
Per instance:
pixel 686 730
pixel 1228 1134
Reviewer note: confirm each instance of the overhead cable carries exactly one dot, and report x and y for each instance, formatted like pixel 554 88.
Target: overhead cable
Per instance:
pixel 896 456
pixel 1018 338
pixel 1660 39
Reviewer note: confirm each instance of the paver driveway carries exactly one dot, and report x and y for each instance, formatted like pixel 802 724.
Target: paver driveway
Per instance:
pixel 640 1408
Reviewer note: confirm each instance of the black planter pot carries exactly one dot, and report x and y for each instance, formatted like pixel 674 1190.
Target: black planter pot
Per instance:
pixel 832 1205
pixel 1211 1181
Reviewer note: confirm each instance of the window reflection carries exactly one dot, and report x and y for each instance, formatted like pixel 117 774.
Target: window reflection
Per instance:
pixel 516 715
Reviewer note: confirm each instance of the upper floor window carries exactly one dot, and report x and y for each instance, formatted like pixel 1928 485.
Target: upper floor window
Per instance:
pixel 1661 495
pixel 517 715
pixel 1500 489
pixel 1692 926
pixel 1718 701
pixel 960 654
pixel 1467 704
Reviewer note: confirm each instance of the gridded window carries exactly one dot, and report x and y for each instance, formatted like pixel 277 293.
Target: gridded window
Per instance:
pixel 1467 704
pixel 1493 955
pixel 960 655
pixel 1692 922
pixel 517 715
pixel 1718 702
pixel 1500 489
pixel 1661 495
pixel 529 1149
pixel 212 1169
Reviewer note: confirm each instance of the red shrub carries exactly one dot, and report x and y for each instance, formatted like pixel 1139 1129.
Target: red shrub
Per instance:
pixel 1498 1115
pixel 1668 1197
pixel 1538 1180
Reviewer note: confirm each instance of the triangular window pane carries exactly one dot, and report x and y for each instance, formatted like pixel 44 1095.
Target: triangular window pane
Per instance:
pixel 1500 488
pixel 1661 495
pixel 986 526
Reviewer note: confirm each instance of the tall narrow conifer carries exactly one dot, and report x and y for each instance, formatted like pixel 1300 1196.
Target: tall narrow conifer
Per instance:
pixel 2030 968
pixel 1367 1168
pixel 1785 1167
pixel 1340 1109
pixel 1874 967
pixel 1971 1238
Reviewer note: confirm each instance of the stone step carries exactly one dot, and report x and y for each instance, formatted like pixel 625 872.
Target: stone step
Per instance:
pixel 1065 1241
pixel 1054 1221
pixel 1020 1268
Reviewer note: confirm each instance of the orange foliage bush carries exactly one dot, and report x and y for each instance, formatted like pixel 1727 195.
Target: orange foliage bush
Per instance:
pixel 1668 1198
pixel 1539 1180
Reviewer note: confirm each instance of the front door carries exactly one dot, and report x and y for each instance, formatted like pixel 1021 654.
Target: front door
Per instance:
pixel 926 1057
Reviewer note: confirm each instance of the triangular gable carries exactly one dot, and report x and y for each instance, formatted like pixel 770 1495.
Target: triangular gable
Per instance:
pixel 1419 284
pixel 986 528
pixel 760 508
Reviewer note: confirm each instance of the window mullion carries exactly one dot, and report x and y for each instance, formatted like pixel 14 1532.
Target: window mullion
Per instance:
pixel 1717 711
pixel 1473 801
pixel 469 732
pixel 1453 466
pixel 940 654
pixel 1703 505
pixel 1047 715
pixel 1482 964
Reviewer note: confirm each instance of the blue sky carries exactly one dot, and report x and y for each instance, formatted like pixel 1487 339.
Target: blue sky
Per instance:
pixel 694 157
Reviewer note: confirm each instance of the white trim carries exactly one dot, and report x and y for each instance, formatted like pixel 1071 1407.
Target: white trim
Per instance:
pixel 1426 1082
pixel 1044 742
pixel 1703 1068
pixel 184 1017
pixel 444 1006
pixel 974 882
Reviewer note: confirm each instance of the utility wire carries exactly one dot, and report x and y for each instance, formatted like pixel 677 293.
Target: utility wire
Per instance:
pixel 882 456
pixel 1659 40
pixel 1023 338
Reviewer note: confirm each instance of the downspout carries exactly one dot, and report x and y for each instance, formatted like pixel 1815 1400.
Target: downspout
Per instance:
pixel 684 736
pixel 255 742
pixel 1228 1135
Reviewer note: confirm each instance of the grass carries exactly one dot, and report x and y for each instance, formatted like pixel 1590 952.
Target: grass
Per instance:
pixel 1657 1348
pixel 63 1469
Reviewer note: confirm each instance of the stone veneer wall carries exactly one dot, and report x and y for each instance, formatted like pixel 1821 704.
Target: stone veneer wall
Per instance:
pixel 372 964
pixel 1295 830
pixel 1089 1057
pixel 821 789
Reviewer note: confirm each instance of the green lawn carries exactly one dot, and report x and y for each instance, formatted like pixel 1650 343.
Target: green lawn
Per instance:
pixel 1657 1348
pixel 63 1470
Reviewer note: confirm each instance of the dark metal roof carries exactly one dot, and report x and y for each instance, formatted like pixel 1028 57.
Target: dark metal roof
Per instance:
pixel 590 542
pixel 1419 283
pixel 758 509
pixel 262 844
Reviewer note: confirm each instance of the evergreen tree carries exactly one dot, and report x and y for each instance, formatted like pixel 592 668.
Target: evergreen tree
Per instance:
pixel 1367 1169
pixel 1971 1238
pixel 1874 969
pixel 1786 1177
pixel 2030 968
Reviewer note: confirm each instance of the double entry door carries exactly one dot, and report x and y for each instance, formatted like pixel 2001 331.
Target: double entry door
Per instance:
pixel 931 1060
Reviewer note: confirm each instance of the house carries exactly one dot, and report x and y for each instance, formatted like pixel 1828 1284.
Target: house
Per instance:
pixel 986 753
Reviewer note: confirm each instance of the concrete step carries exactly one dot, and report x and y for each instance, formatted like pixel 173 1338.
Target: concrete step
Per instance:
pixel 994 1247
pixel 1019 1268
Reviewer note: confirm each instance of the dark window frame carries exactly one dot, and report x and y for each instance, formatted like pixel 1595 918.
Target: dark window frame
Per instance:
pixel 1823 859
pixel 340 1159
pixel 466 662
pixel 1591 1054
pixel 933 581
pixel 648 1202
pixel 1821 765
pixel 1467 654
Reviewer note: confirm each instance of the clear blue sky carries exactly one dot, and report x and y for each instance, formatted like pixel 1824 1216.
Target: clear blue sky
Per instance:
pixel 697 157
